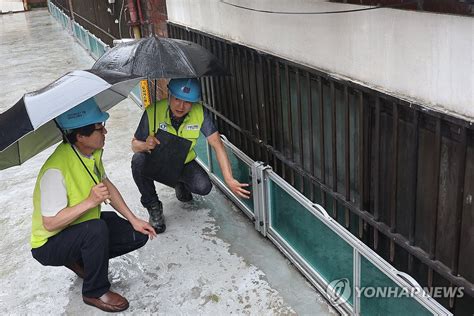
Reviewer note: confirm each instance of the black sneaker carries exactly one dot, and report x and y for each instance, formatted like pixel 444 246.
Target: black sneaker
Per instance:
pixel 182 194
pixel 157 219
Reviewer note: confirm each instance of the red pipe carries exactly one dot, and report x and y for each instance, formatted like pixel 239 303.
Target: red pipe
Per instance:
pixel 133 13
pixel 140 13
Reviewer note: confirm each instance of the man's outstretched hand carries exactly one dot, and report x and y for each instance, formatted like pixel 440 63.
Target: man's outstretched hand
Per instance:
pixel 238 188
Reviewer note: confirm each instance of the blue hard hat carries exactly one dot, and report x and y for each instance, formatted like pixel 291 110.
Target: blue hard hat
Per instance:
pixel 84 114
pixel 187 89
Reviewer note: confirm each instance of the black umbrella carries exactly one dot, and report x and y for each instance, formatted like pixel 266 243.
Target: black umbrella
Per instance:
pixel 157 58
pixel 28 127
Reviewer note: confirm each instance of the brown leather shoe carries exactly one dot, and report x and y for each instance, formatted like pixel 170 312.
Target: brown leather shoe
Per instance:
pixel 109 302
pixel 77 269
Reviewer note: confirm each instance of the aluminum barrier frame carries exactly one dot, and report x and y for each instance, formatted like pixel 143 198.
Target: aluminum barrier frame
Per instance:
pixel 249 162
pixel 360 250
pixel 262 174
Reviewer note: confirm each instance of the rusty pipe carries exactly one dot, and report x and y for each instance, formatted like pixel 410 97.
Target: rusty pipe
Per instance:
pixel 134 23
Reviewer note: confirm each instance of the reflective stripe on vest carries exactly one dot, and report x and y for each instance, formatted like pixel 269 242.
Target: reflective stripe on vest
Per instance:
pixel 189 129
pixel 78 185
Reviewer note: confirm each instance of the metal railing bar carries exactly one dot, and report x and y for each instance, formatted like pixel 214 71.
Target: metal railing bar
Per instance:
pixel 394 169
pixel 254 104
pixel 234 94
pixel 362 146
pixel 460 201
pixel 321 139
pixel 240 94
pixel 280 114
pixel 300 124
pixel 310 131
pixel 377 169
pixel 334 147
pixel 272 109
pixel 347 155
pixel 289 146
pixel 437 159
pixel 247 97
pixel 263 103
pixel 223 89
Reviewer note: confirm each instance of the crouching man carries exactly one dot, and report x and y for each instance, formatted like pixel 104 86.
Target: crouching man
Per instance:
pixel 68 228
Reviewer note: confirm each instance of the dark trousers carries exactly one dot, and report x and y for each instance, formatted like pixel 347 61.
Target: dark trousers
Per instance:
pixel 91 243
pixel 194 178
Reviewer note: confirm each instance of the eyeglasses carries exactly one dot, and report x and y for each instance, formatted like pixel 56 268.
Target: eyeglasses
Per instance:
pixel 101 128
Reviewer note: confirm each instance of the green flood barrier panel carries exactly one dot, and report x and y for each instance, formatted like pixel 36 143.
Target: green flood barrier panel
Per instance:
pixel 325 251
pixel 373 303
pixel 201 150
pixel 240 170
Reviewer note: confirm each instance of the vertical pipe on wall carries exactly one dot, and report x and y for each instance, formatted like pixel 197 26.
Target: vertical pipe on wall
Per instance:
pixel 134 23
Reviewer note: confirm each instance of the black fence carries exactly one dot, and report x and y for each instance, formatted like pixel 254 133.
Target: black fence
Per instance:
pixel 398 176
pixel 104 20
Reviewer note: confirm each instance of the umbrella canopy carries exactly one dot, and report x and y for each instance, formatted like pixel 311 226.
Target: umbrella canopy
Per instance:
pixel 156 58
pixel 27 128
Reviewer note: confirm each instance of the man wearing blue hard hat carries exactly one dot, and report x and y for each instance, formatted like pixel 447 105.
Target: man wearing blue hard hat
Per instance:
pixel 68 227
pixel 183 115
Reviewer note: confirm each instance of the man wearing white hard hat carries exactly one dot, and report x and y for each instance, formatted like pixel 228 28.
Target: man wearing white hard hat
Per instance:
pixel 68 227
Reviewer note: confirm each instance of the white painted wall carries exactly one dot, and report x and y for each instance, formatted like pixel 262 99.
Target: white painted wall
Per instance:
pixel 7 6
pixel 422 57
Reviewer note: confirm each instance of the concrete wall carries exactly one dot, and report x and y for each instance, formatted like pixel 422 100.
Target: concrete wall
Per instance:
pixel 7 6
pixel 424 57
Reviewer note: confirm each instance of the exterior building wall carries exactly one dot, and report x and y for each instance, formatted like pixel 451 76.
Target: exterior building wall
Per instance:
pixel 422 57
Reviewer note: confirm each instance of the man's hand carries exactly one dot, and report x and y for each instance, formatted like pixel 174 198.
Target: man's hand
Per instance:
pixel 151 142
pixel 238 188
pixel 98 194
pixel 143 227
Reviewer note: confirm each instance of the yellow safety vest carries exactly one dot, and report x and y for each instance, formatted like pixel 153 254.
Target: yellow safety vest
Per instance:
pixel 189 129
pixel 78 185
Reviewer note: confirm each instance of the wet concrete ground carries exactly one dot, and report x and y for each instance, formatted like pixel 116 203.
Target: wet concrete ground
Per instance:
pixel 209 261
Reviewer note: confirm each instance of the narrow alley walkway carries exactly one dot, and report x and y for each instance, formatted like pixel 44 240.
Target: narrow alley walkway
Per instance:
pixel 209 261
